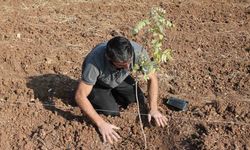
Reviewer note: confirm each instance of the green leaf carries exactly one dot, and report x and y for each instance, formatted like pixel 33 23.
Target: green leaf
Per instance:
pixel 142 24
pixel 158 44
pixel 154 41
pixel 169 24
pixel 136 68
pixel 155 34
pixel 135 31
pixel 155 25
pixel 161 36
pixel 161 29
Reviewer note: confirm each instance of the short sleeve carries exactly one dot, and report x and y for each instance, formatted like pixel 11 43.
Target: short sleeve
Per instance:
pixel 89 74
pixel 140 52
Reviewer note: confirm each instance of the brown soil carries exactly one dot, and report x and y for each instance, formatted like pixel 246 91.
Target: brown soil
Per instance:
pixel 42 46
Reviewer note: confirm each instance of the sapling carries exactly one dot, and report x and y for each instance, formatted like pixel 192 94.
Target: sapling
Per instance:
pixel 153 35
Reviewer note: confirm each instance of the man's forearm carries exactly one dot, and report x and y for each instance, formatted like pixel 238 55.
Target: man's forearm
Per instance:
pixel 88 109
pixel 153 92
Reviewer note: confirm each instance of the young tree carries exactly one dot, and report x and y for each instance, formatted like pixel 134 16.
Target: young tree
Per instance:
pixel 153 35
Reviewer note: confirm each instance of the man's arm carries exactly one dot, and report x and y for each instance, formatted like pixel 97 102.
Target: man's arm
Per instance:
pixel 160 119
pixel 105 128
pixel 82 92
pixel 153 91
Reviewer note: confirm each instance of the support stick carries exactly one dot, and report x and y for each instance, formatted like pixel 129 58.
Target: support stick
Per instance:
pixel 138 109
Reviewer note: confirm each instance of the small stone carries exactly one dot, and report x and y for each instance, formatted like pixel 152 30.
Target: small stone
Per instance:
pixel 247 10
pixel 42 133
pixel 32 100
pixel 18 35
pixel 55 112
pixel 35 114
pixel 43 148
pixel 247 49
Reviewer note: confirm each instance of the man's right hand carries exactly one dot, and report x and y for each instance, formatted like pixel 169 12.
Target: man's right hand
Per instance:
pixel 108 133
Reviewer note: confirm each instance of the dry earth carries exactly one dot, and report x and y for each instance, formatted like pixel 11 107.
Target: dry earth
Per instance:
pixel 43 44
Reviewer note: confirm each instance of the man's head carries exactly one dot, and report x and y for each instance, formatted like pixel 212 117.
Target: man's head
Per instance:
pixel 119 51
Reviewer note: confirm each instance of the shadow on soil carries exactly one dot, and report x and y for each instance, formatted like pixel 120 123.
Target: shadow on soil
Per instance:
pixel 49 87
pixel 196 140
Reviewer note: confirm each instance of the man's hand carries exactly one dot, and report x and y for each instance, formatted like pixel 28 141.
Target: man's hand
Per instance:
pixel 108 133
pixel 160 119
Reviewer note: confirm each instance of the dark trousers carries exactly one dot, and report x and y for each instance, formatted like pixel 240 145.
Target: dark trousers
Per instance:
pixel 107 100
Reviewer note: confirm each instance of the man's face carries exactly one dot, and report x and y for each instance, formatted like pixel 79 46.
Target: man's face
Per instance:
pixel 122 65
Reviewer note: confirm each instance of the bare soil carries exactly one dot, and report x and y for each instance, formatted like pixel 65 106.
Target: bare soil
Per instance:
pixel 43 44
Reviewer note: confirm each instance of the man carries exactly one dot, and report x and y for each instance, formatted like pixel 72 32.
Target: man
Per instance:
pixel 106 83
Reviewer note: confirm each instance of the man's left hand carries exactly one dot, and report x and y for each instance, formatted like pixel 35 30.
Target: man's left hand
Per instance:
pixel 160 119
